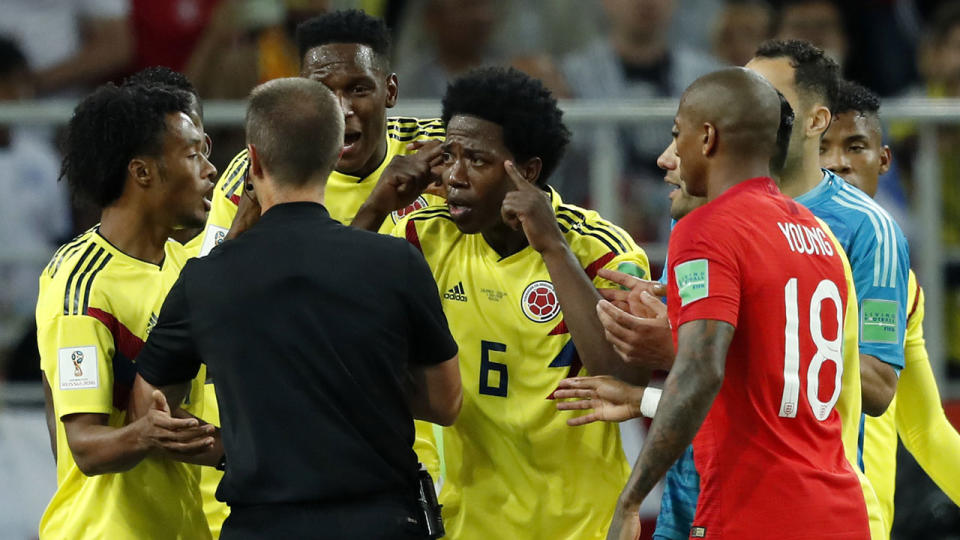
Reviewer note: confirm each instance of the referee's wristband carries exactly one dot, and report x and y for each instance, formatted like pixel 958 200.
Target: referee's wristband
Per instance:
pixel 649 401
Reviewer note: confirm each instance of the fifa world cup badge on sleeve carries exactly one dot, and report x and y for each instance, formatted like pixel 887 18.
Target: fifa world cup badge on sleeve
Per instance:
pixel 693 280
pixel 212 237
pixel 878 321
pixel 78 368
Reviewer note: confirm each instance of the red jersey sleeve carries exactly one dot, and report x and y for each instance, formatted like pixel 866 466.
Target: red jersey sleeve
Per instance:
pixel 704 274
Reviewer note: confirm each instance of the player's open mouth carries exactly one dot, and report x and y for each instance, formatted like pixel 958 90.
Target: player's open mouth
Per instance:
pixel 207 204
pixel 457 210
pixel 350 141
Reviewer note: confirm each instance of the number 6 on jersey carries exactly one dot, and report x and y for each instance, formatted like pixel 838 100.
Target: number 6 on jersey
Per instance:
pixel 827 349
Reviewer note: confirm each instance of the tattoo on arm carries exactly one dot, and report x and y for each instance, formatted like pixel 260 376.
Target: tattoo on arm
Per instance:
pixel 689 391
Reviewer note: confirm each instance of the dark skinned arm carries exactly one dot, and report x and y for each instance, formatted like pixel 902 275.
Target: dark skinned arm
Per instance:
pixel 879 383
pixel 141 399
pixel 99 448
pixel 688 393
pixel 527 207
pixel 51 415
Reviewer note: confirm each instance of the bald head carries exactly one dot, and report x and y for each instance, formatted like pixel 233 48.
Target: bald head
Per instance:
pixel 296 125
pixel 742 107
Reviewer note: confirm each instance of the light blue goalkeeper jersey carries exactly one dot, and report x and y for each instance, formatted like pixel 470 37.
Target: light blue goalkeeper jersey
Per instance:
pixel 880 260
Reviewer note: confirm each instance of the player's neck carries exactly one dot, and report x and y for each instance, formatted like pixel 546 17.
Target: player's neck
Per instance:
pixel 798 179
pixel 728 173
pixel 269 194
pixel 372 164
pixel 134 232
pixel 504 240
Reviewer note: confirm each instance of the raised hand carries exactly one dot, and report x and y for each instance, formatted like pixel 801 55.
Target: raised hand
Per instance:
pixel 607 398
pixel 406 177
pixel 248 212
pixel 635 321
pixel 528 207
pixel 630 291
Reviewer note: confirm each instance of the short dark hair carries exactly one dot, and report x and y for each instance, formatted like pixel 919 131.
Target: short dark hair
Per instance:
pixel 110 127
pixel 526 110
pixel 11 57
pixel 815 72
pixel 345 26
pixel 784 130
pixel 856 98
pixel 162 75
pixel 296 126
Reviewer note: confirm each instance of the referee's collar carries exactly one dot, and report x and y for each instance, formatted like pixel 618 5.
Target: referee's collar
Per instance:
pixel 298 208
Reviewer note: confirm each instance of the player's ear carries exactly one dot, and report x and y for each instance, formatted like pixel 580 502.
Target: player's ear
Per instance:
pixel 886 159
pixel 819 121
pixel 531 169
pixel 256 163
pixel 709 140
pixel 393 90
pixel 139 169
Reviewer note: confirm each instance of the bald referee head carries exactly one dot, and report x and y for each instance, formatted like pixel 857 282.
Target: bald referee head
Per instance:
pixel 294 132
pixel 726 130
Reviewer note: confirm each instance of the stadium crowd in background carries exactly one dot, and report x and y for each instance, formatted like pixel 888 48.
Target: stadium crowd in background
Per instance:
pixel 392 167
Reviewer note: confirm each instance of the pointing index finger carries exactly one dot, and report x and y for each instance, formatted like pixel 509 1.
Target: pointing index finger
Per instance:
pixel 518 180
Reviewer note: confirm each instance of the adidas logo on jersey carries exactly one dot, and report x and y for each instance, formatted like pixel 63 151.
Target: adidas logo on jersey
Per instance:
pixel 456 293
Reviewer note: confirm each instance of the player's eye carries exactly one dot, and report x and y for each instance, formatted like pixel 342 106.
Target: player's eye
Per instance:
pixel 361 90
pixel 478 162
pixel 446 157
pixel 857 148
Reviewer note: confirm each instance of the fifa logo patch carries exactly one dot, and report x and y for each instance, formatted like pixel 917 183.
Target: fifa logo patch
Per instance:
pixel 77 368
pixel 397 215
pixel 539 302
pixel 77 357
pixel 698 532
pixel 456 293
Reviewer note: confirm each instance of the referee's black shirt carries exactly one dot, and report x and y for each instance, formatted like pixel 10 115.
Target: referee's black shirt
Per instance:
pixel 308 329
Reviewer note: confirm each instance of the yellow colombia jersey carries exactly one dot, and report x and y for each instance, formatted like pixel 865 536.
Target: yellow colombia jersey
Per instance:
pixel 95 309
pixel 342 197
pixel 916 414
pixel 514 469
pixel 849 403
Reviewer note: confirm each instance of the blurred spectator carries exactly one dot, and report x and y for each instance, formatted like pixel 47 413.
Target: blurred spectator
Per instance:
pixel 818 21
pixel 939 64
pixel 249 42
pixel 70 44
pixel 165 33
pixel 692 23
pixel 455 36
pixel 246 42
pixel 739 29
pixel 632 61
pixel 34 214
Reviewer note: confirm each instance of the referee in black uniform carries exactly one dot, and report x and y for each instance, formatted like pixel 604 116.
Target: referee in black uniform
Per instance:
pixel 325 342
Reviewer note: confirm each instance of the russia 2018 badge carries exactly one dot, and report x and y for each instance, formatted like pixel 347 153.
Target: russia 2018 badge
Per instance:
pixel 539 302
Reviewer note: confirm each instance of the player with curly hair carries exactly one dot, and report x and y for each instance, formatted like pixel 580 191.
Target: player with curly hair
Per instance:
pixel 517 270
pixel 134 152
